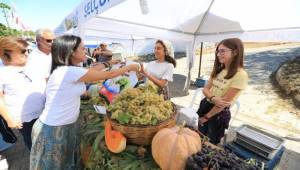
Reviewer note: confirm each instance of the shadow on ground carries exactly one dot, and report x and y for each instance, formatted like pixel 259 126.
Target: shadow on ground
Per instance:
pixel 261 65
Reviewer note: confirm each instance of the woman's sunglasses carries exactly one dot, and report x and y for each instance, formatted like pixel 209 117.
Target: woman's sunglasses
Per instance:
pixel 23 51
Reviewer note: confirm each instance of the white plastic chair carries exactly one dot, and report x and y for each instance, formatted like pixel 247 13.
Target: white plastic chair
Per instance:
pixel 190 116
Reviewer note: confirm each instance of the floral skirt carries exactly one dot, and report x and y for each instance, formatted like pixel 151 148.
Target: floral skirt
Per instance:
pixel 54 147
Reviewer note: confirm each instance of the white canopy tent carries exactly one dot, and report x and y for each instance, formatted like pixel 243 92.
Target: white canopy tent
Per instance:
pixel 191 21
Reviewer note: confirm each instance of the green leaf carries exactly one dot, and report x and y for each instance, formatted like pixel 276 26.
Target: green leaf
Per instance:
pixel 92 131
pixel 154 121
pixel 96 143
pixel 124 118
pixel 132 166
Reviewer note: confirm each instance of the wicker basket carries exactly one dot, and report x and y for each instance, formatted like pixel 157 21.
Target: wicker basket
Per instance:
pixel 142 134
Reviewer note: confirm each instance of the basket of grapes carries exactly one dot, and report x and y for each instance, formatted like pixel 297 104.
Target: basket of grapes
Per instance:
pixel 139 113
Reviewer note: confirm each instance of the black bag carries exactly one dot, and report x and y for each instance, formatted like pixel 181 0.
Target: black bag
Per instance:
pixel 7 134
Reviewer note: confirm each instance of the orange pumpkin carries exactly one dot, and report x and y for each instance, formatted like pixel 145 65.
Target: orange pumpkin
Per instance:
pixel 115 140
pixel 172 146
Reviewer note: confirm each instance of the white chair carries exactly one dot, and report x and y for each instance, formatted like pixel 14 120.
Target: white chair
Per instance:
pixel 190 116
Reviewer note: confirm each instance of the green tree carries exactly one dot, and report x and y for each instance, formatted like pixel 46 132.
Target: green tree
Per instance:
pixel 4 6
pixel 6 30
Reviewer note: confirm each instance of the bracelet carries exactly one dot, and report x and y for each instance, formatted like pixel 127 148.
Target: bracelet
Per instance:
pixel 206 117
pixel 105 64
pixel 210 99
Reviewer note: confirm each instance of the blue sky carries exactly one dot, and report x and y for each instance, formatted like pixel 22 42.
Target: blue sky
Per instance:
pixel 42 13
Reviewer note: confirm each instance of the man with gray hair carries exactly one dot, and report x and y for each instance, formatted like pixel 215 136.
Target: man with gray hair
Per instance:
pixel 40 59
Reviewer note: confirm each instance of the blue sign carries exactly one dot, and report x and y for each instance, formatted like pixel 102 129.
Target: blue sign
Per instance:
pixel 93 6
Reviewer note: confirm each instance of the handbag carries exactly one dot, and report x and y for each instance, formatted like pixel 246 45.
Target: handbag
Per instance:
pixel 7 134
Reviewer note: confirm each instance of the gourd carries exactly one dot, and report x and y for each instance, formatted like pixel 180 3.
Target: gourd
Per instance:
pixel 115 140
pixel 172 146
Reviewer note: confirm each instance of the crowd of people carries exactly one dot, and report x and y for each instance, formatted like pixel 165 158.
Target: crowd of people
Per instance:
pixel 40 91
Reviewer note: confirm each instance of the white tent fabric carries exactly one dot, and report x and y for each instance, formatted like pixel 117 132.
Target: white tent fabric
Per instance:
pixel 191 21
pixel 185 20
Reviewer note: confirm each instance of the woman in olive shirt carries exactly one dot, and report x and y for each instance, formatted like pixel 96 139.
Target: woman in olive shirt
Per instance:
pixel 226 82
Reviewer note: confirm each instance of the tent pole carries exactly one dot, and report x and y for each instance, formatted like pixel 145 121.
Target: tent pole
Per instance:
pixel 200 60
pixel 190 52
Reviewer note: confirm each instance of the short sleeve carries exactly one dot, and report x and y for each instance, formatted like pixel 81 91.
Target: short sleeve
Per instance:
pixel 1 85
pixel 1 80
pixel 168 75
pixel 75 73
pixel 240 80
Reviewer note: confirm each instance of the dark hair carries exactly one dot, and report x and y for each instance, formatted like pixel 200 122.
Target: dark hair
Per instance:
pixel 237 61
pixel 168 58
pixel 62 49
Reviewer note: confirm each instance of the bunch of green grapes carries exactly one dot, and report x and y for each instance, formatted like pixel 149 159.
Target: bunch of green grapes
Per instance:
pixel 98 101
pixel 150 87
pixel 138 107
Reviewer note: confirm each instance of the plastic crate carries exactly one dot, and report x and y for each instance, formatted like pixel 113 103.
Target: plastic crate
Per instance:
pixel 200 82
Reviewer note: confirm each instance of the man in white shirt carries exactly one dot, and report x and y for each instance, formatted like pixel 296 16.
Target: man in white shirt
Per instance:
pixel 40 58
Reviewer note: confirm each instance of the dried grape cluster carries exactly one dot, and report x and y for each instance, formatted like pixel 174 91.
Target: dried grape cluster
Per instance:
pixel 217 159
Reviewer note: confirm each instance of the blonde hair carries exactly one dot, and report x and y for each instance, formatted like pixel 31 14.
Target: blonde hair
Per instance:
pixel 9 44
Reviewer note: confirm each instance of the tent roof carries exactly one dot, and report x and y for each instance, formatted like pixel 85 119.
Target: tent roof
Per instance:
pixel 209 20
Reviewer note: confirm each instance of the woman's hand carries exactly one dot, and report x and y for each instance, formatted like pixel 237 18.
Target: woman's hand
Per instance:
pixel 219 102
pixel 114 61
pixel 14 124
pixel 134 67
pixel 142 68
pixel 98 66
pixel 202 120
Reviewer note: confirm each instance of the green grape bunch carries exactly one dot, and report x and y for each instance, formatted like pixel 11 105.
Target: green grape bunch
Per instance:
pixel 140 106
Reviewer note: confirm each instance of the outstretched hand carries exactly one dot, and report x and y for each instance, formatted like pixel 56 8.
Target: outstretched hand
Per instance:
pixel 134 67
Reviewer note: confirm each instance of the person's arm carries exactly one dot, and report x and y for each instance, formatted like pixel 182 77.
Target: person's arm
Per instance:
pixel 218 101
pixel 97 67
pixel 106 53
pixel 228 97
pixel 4 113
pixel 159 82
pixel 95 75
pixel 206 89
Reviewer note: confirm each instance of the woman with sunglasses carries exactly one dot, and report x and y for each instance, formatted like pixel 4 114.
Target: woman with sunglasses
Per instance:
pixel 54 135
pixel 21 91
pixel 227 80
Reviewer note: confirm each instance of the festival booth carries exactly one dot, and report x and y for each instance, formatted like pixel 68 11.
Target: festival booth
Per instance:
pixel 115 138
pixel 191 21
